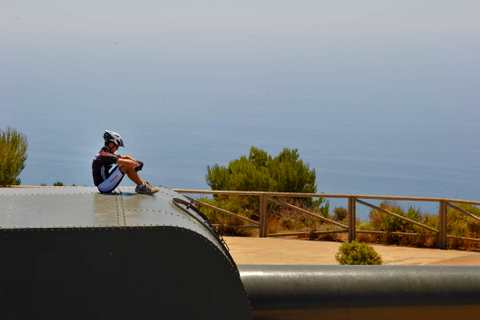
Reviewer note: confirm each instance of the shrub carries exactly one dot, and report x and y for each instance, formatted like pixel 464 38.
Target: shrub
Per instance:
pixel 58 184
pixel 357 253
pixel 13 153
pixel 340 213
pixel 459 225
pixel 385 222
pixel 262 172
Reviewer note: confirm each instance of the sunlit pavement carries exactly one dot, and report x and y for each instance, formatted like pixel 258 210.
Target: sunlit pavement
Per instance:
pixel 291 251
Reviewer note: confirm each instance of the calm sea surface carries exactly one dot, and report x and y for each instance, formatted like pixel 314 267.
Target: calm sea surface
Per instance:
pixel 353 151
pixel 378 99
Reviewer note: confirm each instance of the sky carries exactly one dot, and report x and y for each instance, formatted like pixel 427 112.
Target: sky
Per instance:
pixel 238 29
pixel 223 41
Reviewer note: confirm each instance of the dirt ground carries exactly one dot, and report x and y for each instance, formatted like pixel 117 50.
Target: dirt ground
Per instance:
pixel 292 251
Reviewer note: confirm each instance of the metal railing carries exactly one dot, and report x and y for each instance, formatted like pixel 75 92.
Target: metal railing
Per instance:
pixel 353 200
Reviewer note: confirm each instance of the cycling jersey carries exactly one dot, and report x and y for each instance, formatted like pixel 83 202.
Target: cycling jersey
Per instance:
pixel 102 165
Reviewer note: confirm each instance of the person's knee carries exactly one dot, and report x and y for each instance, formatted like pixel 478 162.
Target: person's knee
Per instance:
pixel 139 166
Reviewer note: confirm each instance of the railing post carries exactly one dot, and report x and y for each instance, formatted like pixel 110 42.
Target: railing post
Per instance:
pixel 263 216
pixel 442 221
pixel 352 219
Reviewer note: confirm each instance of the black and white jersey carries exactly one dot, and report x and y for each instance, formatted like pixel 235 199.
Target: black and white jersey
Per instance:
pixel 102 165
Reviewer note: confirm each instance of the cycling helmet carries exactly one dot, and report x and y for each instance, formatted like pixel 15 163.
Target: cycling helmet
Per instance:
pixel 112 136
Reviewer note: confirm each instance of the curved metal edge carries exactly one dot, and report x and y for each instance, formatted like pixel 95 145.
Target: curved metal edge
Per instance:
pixel 327 287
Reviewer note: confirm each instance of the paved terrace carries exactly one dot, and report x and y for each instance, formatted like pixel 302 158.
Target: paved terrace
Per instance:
pixel 291 251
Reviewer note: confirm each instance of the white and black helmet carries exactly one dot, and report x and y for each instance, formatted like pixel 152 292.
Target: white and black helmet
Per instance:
pixel 112 136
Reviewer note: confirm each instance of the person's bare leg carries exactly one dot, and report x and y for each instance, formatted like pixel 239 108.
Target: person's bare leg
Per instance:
pixel 133 175
pixel 128 166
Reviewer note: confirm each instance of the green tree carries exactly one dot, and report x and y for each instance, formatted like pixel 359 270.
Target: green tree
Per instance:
pixel 259 171
pixel 13 154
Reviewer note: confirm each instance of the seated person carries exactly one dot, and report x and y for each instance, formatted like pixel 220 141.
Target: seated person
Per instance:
pixel 107 179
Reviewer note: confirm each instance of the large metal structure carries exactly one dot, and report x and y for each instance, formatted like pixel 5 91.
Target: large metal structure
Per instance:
pixel 71 253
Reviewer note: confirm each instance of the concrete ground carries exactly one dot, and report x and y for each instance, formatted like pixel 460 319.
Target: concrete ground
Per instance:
pixel 292 251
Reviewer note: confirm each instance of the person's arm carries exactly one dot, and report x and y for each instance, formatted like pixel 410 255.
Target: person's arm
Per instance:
pixel 108 157
pixel 128 161
pixel 127 156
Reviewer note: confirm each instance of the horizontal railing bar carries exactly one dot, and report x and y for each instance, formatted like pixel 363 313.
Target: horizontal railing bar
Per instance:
pixel 300 233
pixel 204 204
pixel 398 216
pixel 307 212
pixel 462 201
pixel 236 225
pixel 324 195
pixel 396 233
pixel 414 234
pixel 466 212
pixel 286 234
pixel 464 238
